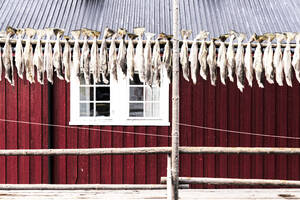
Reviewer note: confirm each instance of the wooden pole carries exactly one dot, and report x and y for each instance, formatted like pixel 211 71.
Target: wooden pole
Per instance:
pixel 175 101
pixel 169 178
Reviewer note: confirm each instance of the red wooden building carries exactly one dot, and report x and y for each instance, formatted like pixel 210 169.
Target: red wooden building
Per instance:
pixel 26 109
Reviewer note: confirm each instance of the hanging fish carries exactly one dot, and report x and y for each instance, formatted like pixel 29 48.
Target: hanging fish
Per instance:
pixel 85 52
pixel 156 62
pixel 193 58
pixel 28 55
pixel 239 62
pixel 76 53
pixel 38 57
pixel 130 55
pixel 67 59
pixel 249 61
pixel 184 54
pixel 147 59
pixel 257 63
pixel 167 56
pixel 202 56
pixel 48 56
pixel 19 53
pixel 212 61
pixel 221 59
pixel 57 53
pixel 112 62
pixel 230 56
pixel 268 58
pixel 287 58
pixel 296 57
pixel 7 56
pixel 121 58
pixel 139 53
pixel 95 63
pixel 104 61
pixel 277 59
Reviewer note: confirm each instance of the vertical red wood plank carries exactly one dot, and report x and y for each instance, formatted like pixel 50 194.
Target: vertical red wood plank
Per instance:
pixel 162 158
pixel 210 137
pixel 197 133
pixel 140 160
pixel 11 131
pixel 94 164
pixel 245 126
pixel 23 130
pixel 221 122
pixel 71 137
pixel 281 130
pixel 117 160
pixel 2 129
pixel 233 124
pixel 293 129
pixel 269 128
pixel 151 160
pixel 129 159
pixel 258 127
pixel 45 132
pixel 35 132
pixel 59 118
pixel 185 132
pixel 83 161
pixel 106 167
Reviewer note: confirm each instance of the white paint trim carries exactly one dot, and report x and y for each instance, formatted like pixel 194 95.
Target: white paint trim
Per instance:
pixel 108 122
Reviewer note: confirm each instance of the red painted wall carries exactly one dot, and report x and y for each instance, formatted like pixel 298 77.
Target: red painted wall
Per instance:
pixel 273 110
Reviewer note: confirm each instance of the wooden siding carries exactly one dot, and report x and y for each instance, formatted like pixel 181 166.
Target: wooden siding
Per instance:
pixel 273 110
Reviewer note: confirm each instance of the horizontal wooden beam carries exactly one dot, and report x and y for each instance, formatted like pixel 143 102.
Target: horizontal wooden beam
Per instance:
pixel 148 150
pixel 235 181
pixel 86 186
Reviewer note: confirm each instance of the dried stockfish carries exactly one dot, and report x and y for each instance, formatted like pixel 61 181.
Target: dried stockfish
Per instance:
pixel 230 56
pixel 184 61
pixel 167 56
pixel 193 58
pixel 277 59
pixel 296 57
pixel 67 59
pixel 212 61
pixel 147 59
pixel 28 55
pixel 130 55
pixel 7 56
pixel 221 59
pixel 202 56
pixel 95 63
pixel 104 61
pixel 48 58
pixel 139 53
pixel 239 62
pixel 249 61
pixel 57 53
pixel 287 58
pixel 112 62
pixel 76 53
pixel 19 53
pixel 268 58
pixel 85 52
pixel 156 62
pixel 257 63
pixel 38 57
pixel 121 58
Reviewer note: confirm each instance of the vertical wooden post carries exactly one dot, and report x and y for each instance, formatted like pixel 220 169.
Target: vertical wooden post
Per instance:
pixel 175 101
pixel 169 178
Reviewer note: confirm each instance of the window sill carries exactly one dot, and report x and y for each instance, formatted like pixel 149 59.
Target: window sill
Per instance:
pixel 129 122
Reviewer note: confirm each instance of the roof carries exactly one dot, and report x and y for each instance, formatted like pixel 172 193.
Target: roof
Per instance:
pixel 216 16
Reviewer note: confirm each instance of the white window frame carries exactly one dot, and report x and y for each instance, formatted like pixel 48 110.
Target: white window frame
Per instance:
pixel 119 106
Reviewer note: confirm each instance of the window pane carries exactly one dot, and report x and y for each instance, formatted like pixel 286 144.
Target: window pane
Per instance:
pixel 152 94
pixel 136 80
pixel 86 109
pixel 102 93
pixel 136 94
pixel 86 93
pixel 151 109
pixel 103 109
pixel 136 110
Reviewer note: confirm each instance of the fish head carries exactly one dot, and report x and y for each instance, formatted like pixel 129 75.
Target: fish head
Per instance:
pixel 40 33
pixel 30 32
pixel 86 32
pixel 58 32
pixel 95 34
pixel 185 34
pixel 289 36
pixel 76 34
pixel 260 38
pixel 10 30
pixel 132 36
pixel 223 37
pixel 149 35
pixel 108 33
pixel 122 32
pixel 20 32
pixel 139 31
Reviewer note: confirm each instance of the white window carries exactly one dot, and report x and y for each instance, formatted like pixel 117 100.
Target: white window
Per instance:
pixel 122 102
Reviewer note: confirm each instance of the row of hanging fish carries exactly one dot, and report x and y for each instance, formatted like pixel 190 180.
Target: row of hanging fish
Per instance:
pixel 272 66
pixel 89 62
